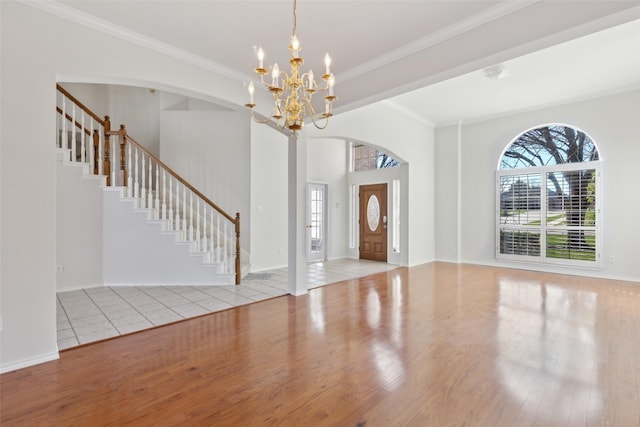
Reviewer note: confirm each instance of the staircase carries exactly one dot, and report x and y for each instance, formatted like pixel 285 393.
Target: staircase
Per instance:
pixel 157 228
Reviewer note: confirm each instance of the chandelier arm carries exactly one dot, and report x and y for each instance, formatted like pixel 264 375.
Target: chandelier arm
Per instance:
pixel 255 119
pixel 285 79
pixel 313 115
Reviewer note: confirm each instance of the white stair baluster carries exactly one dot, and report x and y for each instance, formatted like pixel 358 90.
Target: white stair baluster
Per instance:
pixel 63 134
pixel 143 187
pixel 157 204
pixel 164 195
pixel 190 216
pixel 129 172
pixel 58 124
pixel 203 243
pixel 184 214
pixel 212 250
pixel 113 162
pixel 170 210
pixel 150 188
pixel 82 138
pixel 92 153
pixel 73 132
pixel 177 224
pixel 226 263
pixel 197 225
pixel 101 151
pixel 218 239
pixel 136 184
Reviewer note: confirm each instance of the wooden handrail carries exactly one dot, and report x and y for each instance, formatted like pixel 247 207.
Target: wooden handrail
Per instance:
pixel 80 104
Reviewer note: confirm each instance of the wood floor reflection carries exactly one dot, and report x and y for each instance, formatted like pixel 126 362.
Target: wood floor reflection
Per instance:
pixel 434 345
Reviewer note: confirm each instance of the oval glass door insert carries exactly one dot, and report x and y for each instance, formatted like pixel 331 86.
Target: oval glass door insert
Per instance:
pixel 373 213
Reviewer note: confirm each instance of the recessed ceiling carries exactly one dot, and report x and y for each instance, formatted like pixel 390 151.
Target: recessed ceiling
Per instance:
pixel 598 64
pixel 381 49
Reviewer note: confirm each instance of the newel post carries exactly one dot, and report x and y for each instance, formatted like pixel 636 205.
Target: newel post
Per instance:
pixel 238 272
pixel 96 152
pixel 122 133
pixel 107 149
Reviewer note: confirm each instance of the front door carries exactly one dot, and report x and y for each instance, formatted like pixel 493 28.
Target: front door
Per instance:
pixel 373 222
pixel 316 222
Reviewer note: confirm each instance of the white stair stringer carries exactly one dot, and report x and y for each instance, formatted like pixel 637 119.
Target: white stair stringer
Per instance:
pixel 139 250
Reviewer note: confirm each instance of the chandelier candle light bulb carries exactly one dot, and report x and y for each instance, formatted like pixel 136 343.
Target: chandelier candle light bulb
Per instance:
pixel 252 89
pixel 295 45
pixel 327 64
pixel 275 73
pixel 311 82
pixel 260 59
pixel 293 100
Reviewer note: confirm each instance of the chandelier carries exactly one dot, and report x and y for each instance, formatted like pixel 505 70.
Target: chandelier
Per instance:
pixel 293 92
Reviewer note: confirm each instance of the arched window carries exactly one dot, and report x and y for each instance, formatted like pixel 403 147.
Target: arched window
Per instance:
pixel 548 198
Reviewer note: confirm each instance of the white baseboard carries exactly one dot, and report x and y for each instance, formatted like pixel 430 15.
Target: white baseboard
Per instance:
pixel 549 269
pixel 29 362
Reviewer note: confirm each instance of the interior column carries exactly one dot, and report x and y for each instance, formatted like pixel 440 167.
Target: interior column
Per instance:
pixel 297 223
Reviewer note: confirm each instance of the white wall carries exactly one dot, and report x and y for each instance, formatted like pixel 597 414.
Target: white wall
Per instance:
pixel 78 227
pixel 612 122
pixel 446 201
pixel 212 151
pixel 327 164
pixel 138 108
pixel 269 198
pixel 37 50
pixel 28 245
pixel 403 137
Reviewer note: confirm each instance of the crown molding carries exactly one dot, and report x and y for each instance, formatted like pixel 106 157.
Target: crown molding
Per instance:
pixel 475 21
pixel 409 113
pixel 107 27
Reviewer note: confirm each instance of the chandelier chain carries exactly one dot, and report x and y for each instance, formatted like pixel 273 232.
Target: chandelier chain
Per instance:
pixel 294 18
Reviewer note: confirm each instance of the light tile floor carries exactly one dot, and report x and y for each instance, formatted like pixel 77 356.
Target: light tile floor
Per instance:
pixel 93 314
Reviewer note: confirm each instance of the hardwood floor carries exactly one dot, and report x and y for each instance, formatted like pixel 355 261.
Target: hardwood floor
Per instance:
pixel 435 345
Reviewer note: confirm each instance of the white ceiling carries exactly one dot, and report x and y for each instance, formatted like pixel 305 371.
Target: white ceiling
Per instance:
pixel 553 50
pixel 597 64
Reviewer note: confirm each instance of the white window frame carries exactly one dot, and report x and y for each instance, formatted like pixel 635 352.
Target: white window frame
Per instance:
pixel 542 258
